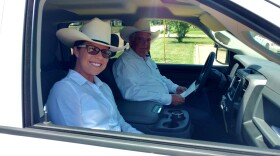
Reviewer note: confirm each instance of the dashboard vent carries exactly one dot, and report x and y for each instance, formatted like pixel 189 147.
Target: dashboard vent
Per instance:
pixel 246 84
pixel 242 90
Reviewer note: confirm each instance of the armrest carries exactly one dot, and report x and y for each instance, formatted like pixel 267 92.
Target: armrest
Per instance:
pixel 139 112
pixel 268 133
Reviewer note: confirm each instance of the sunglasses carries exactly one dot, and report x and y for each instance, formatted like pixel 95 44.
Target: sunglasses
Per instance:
pixel 92 50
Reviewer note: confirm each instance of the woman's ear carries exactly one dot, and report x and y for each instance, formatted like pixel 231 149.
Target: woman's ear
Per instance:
pixel 76 52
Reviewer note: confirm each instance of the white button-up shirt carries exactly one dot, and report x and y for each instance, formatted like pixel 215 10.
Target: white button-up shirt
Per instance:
pixel 74 101
pixel 139 79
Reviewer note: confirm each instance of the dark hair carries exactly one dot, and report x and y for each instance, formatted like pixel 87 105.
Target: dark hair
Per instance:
pixel 73 58
pixel 72 61
pixel 132 36
pixel 79 42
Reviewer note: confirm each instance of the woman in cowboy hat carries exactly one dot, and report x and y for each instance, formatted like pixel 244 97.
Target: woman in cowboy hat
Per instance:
pixel 81 99
pixel 137 75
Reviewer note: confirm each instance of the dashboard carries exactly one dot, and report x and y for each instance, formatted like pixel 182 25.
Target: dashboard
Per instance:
pixel 251 103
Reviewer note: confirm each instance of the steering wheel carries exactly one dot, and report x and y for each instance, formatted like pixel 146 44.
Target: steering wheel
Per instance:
pixel 200 82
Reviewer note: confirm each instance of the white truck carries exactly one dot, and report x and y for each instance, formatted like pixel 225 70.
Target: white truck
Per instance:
pixel 28 47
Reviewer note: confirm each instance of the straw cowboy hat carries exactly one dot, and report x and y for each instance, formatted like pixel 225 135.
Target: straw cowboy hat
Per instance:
pixel 95 31
pixel 140 26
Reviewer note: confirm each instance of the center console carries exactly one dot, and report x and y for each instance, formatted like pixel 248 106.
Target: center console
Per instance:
pixel 237 87
pixel 232 100
pixel 237 100
pixel 173 122
pixel 152 118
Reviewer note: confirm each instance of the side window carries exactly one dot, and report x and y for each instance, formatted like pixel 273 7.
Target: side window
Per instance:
pixel 180 43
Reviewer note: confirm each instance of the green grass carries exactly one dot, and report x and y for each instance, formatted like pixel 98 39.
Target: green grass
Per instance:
pixel 199 32
pixel 176 53
pixel 195 30
pixel 118 54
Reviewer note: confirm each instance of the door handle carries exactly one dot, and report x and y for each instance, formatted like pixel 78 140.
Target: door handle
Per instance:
pixel 266 130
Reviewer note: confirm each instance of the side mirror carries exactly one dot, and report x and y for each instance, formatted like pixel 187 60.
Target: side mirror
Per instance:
pixel 221 55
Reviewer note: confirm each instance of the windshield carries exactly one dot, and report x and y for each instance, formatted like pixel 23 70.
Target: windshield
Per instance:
pixel 265 43
pixel 229 41
pixel 267 9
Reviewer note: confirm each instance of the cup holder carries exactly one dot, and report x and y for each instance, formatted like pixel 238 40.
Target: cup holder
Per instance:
pixel 170 110
pixel 171 124
pixel 177 115
pixel 172 120
pixel 165 116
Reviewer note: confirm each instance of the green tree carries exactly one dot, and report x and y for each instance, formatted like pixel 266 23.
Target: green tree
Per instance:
pixel 178 27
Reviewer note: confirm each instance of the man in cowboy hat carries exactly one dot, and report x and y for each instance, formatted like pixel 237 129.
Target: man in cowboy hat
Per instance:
pixel 137 75
pixel 81 99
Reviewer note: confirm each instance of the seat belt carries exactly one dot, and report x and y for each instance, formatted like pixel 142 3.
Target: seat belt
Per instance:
pixel 46 120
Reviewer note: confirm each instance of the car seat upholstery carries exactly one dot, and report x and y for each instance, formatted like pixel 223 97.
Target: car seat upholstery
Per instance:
pixel 108 77
pixel 52 68
pixel 107 74
pixel 55 70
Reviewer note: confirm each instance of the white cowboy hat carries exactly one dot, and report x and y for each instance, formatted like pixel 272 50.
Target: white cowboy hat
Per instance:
pixel 140 26
pixel 95 31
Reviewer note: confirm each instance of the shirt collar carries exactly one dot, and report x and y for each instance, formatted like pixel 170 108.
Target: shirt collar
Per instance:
pixel 97 81
pixel 78 78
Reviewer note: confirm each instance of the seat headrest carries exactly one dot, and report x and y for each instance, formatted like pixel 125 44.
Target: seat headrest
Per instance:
pixel 114 40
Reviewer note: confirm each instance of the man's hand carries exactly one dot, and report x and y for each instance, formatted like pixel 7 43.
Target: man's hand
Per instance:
pixel 177 99
pixel 180 89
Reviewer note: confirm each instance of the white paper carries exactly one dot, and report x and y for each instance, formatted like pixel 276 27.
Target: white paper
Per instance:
pixel 189 90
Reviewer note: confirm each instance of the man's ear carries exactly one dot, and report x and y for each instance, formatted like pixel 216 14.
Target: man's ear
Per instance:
pixel 131 44
pixel 76 52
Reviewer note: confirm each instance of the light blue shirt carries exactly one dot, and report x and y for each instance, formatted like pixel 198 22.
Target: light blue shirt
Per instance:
pixel 140 80
pixel 75 101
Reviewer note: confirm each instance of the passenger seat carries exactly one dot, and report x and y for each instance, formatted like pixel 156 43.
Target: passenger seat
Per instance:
pixel 107 74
